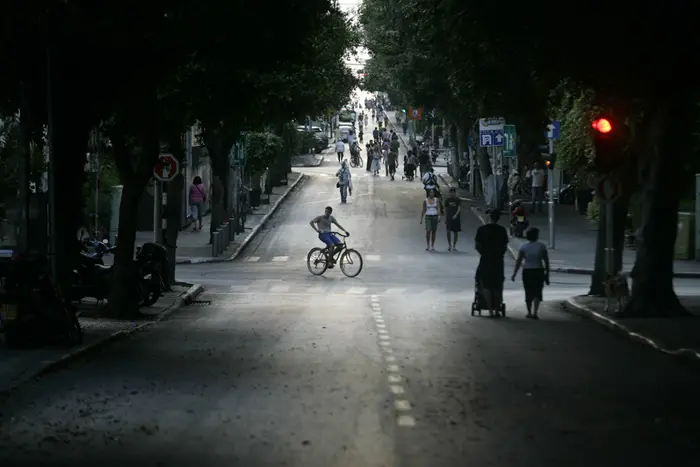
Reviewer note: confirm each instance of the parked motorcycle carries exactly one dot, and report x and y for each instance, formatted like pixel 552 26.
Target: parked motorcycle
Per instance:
pixel 93 279
pixel 518 219
pixel 32 310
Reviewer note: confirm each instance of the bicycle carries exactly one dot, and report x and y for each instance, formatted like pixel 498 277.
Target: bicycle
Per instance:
pixel 356 161
pixel 318 258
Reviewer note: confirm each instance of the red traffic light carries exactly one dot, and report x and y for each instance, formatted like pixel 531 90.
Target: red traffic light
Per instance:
pixel 602 125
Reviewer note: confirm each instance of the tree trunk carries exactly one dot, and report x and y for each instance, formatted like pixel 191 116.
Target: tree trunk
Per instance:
pixel 218 146
pixel 70 139
pixel 652 286
pixel 619 215
pixel 123 302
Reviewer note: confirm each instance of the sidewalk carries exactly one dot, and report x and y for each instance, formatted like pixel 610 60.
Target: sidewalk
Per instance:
pixel 575 238
pixel 193 247
pixel 309 160
pixel 678 337
pixel 18 366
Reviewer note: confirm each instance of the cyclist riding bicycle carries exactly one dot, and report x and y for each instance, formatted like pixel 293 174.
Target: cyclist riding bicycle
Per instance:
pixel 322 225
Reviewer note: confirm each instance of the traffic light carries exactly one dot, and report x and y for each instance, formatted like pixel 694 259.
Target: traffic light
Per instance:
pixel 550 159
pixel 609 140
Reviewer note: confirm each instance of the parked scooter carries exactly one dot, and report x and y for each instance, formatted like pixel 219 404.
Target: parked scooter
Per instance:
pixel 518 219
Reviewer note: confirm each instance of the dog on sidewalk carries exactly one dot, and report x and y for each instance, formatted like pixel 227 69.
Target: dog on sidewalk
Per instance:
pixel 617 292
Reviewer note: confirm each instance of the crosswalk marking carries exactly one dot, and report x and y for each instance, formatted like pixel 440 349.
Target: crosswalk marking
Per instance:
pixel 357 290
pixel 253 259
pixel 280 259
pixel 282 288
pixel 373 257
pixel 395 291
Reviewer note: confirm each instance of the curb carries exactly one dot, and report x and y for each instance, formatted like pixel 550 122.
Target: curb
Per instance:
pixel 183 299
pixel 584 311
pixel 320 163
pixel 256 230
pixel 572 270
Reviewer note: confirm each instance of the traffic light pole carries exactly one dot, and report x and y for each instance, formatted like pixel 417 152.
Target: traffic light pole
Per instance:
pixel 609 238
pixel 550 187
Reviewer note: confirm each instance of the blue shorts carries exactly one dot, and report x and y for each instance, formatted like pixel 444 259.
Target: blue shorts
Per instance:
pixel 329 238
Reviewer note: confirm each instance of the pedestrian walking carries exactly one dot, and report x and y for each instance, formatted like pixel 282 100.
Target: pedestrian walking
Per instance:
pixel 453 222
pixel 344 182
pixel 340 149
pixel 197 200
pixel 431 212
pixel 537 175
pixel 534 259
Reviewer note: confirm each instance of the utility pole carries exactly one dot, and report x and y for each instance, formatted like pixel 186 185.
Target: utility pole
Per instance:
pixel 53 240
pixel 24 169
pixel 158 219
pixel 550 184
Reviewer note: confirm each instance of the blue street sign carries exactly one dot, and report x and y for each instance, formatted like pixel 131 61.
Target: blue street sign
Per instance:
pixel 491 132
pixel 552 130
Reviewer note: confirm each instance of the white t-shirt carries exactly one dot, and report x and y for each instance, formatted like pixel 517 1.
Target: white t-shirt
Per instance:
pixel 351 138
pixel 339 146
pixel 537 176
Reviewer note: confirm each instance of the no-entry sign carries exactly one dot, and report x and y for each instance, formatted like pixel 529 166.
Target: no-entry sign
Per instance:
pixel 167 168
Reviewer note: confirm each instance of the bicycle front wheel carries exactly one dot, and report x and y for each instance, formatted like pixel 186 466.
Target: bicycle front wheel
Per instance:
pixel 317 261
pixel 351 263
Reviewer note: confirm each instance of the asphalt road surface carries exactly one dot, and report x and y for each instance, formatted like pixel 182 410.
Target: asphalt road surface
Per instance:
pixel 387 369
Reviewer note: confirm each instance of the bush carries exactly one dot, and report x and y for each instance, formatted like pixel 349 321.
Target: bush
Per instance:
pixel 262 149
pixel 594 209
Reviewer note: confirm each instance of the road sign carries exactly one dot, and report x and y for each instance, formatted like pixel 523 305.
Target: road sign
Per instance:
pixel 509 140
pixel 237 155
pixel 609 189
pixel 167 168
pixel 415 113
pixel 552 130
pixel 491 132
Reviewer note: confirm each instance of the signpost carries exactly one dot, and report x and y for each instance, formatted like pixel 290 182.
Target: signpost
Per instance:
pixel 551 133
pixel 165 170
pixel 415 113
pixel 609 189
pixel 509 141
pixel 491 132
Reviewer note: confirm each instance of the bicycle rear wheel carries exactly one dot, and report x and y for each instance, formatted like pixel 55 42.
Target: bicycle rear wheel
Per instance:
pixel 316 261
pixel 351 263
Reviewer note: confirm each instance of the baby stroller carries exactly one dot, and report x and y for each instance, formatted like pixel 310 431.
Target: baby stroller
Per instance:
pixel 479 302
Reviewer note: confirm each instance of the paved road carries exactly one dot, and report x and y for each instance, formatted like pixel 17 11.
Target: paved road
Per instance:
pixel 388 369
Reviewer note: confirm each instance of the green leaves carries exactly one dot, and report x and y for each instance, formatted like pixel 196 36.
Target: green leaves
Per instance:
pixel 261 150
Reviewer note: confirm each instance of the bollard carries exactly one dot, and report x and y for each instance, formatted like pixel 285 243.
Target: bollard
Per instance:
pixel 215 244
pixel 232 228
pixel 225 236
pixel 221 245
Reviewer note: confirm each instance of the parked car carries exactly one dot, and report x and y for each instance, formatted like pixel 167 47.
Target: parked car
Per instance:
pixel 344 131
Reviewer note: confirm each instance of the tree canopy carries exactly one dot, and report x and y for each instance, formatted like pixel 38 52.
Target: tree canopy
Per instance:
pixel 530 64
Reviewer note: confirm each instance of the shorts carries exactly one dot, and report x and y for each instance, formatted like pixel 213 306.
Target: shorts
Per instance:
pixel 329 238
pixel 533 283
pixel 431 223
pixel 453 225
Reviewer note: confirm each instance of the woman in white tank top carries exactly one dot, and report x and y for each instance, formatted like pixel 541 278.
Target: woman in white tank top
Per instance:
pixel 431 212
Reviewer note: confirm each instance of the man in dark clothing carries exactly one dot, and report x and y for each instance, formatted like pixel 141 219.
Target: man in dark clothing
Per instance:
pixel 375 134
pixel 492 243
pixel 453 222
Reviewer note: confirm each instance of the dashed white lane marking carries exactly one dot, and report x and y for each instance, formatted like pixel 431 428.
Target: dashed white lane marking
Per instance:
pixel 280 259
pixel 279 288
pixel 403 407
pixel 357 290
pixel 253 259
pixel 395 291
pixel 373 257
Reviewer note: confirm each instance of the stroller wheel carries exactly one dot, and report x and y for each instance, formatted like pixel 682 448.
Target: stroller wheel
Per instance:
pixel 473 309
pixel 502 309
